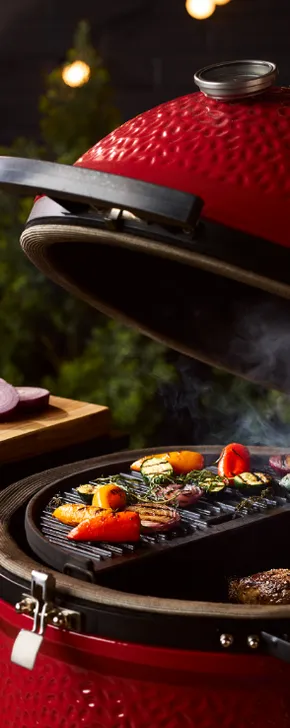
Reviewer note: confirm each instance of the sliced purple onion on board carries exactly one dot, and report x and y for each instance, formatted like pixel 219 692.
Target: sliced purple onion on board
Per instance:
pixel 9 400
pixel 32 399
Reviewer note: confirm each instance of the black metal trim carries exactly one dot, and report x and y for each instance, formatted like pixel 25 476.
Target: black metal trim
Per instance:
pixel 211 239
pixel 134 627
pixel 276 647
pixel 87 187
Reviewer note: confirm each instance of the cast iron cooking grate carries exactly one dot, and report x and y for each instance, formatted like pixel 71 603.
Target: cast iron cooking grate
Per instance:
pixel 205 517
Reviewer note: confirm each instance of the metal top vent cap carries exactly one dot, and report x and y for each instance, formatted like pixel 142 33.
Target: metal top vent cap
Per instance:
pixel 236 79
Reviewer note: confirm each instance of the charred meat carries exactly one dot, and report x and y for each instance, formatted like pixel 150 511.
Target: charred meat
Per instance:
pixel 267 587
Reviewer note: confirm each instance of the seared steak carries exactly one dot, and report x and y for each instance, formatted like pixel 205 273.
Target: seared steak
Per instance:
pixel 267 587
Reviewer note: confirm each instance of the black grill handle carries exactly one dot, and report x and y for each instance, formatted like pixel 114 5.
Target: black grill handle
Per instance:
pixel 89 188
pixel 276 647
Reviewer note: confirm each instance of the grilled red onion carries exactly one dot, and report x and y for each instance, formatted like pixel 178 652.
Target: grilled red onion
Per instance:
pixel 9 399
pixel 280 463
pixel 32 399
pixel 156 518
pixel 182 497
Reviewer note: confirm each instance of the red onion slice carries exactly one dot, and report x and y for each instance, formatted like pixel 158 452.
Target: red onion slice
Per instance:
pixel 182 496
pixel 9 399
pixel 280 463
pixel 32 399
pixel 156 518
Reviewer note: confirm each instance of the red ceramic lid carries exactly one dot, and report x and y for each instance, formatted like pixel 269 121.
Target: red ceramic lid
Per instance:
pixel 235 156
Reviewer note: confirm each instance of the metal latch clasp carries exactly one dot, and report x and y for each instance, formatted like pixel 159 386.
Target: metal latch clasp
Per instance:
pixel 40 604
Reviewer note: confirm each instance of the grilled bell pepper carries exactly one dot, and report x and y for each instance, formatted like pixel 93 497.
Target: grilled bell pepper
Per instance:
pixel 185 460
pixel 73 513
pixel 252 481
pixel 234 459
pixel 124 527
pixel 109 496
pixel 182 461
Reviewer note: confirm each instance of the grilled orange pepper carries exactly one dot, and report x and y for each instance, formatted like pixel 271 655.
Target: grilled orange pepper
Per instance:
pixel 110 496
pixel 73 513
pixel 122 527
pixel 185 461
pixel 182 461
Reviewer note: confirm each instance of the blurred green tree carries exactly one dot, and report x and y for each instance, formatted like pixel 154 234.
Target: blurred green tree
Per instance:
pixel 46 336
pixel 73 119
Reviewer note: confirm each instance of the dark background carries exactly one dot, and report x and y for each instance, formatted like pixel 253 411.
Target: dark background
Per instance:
pixel 151 47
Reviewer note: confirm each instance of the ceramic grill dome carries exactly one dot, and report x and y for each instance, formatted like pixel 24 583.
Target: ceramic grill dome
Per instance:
pixel 236 157
pixel 177 222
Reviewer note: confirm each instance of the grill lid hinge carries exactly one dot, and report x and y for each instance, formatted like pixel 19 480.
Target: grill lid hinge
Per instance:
pixel 40 605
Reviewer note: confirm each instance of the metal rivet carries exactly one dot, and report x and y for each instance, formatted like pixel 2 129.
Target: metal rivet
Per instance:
pixel 226 640
pixel 26 606
pixel 59 620
pixel 253 641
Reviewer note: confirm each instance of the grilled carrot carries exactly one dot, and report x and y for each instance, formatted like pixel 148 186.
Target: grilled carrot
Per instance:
pixel 74 513
pixel 124 527
pixel 182 462
pixel 110 496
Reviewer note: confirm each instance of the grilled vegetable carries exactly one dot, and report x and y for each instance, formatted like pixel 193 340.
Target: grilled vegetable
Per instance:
pixel 267 587
pixel 156 466
pixel 185 461
pixel 137 464
pixel 155 517
pixel 182 461
pixel 253 482
pixel 210 482
pixel 110 496
pixel 86 492
pixel 122 527
pixel 74 513
pixel 234 459
pixel 181 497
pixel 285 482
pixel 280 463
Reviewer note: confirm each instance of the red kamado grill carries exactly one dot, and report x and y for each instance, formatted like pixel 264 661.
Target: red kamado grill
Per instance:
pixel 176 224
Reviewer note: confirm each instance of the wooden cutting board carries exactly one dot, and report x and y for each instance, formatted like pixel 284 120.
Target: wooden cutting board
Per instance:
pixel 66 422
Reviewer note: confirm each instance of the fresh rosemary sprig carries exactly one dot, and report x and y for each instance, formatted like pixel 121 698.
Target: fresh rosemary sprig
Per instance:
pixel 205 479
pixel 251 501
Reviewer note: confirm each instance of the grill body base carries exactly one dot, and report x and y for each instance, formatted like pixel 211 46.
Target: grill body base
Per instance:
pixel 86 681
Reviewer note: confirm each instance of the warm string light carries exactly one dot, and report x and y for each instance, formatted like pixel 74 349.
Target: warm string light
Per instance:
pixel 76 74
pixel 200 9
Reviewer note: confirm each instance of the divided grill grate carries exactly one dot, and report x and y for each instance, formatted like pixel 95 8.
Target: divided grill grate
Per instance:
pixel 201 519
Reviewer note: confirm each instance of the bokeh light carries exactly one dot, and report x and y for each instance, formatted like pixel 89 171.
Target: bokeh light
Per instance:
pixel 200 9
pixel 76 74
